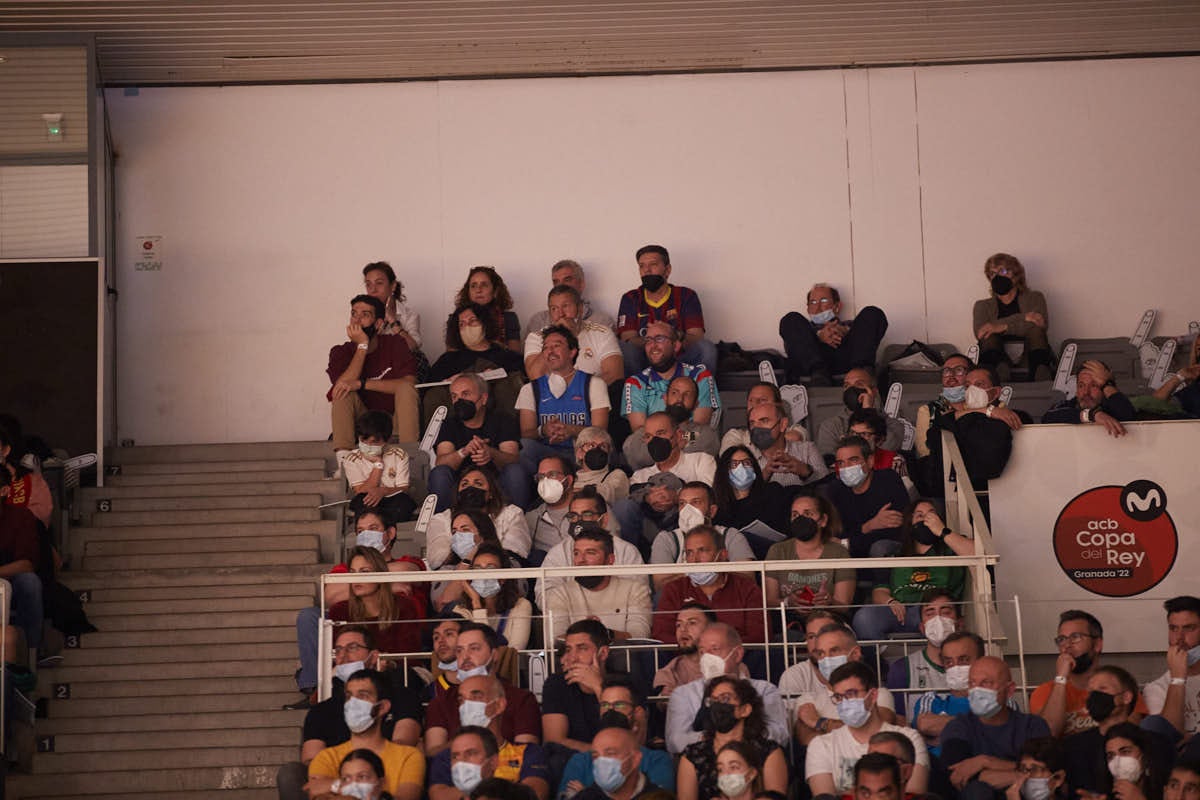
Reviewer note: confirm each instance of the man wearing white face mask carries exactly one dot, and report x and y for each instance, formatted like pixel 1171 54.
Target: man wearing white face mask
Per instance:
pixel 554 408
pixel 982 429
pixel 721 653
pixel 830 645
pixel 616 763
pixel 364 710
pixel 981 748
pixel 697 505
pixel 555 481
pixel 869 501
pixel 829 762
pixel 520 720
pixel 325 725
pixel 456 771
pixel 923 669
pixel 933 710
pixel 824 343
pixel 736 598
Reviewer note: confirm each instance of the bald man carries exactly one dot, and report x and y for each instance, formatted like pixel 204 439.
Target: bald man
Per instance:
pixel 981 748
pixel 616 758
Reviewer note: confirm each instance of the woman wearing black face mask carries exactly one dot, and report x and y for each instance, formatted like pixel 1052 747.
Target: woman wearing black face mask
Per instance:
pixel 478 490
pixel 812 534
pixel 1013 313
pixel 593 454
pixel 734 713
pixel 896 607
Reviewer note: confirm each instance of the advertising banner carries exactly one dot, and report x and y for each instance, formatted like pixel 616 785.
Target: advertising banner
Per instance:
pixel 1109 525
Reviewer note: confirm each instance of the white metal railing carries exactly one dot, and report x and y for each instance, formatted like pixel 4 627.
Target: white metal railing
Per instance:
pixel 5 658
pixel 979 605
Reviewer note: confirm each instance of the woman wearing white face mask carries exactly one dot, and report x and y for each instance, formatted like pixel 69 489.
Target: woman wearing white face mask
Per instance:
pixel 494 602
pixel 472 345
pixel 896 607
pixel 361 777
pixel 1042 767
pixel 470 528
pixel 737 771
pixel 734 714
pixel 743 497
pixel 1135 776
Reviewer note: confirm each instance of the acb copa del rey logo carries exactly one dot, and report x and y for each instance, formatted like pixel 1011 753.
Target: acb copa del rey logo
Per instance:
pixel 1117 541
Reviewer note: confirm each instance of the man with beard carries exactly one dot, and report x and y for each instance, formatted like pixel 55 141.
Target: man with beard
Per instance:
pixel 473 435
pixel 656 300
pixel 554 408
pixel 646 391
pixel 1062 702
pixel 690 622
pixel 622 705
pixel 371 372
pixel 859 391
pixel 621 604
pixel 698 437
pixel 784 461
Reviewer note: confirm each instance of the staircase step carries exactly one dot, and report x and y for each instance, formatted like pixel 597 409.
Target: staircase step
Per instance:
pixel 167 654
pixel 171 622
pixel 211 500
pixel 202 560
pixel 184 638
pixel 297 588
pixel 269 694
pixel 240 451
pixel 199 782
pixel 266 478
pixel 63 764
pixel 266 494
pixel 214 545
pixel 229 575
pixel 118 744
pixel 179 532
pixel 282 602
pixel 218 467
pixel 214 516
pixel 227 721
pixel 177 671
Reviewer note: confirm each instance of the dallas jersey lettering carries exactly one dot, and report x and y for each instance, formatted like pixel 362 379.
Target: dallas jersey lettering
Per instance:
pixel 573 408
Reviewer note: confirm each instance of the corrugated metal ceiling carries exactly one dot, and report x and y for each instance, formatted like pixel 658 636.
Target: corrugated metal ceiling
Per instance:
pixel 145 42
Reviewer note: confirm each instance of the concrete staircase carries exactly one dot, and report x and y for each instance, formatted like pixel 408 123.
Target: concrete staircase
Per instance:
pixel 196 560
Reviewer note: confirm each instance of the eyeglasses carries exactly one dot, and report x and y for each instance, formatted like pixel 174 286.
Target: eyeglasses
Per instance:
pixel 727 698
pixel 1000 271
pixel 660 338
pixel 740 462
pixel 348 649
pixel 1073 638
pixel 620 705
pixel 824 301
pixel 957 372
pixel 554 475
pixel 586 516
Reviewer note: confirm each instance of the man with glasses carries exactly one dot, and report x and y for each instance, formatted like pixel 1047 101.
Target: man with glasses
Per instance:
pixel 325 724
pixel 829 762
pixel 823 344
pixel 658 301
pixel 646 390
pixel 621 705
pixel 586 511
pixel 1062 702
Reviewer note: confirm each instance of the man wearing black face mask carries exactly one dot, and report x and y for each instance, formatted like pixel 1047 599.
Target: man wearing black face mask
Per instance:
pixel 783 461
pixel 698 437
pixel 1062 702
pixel 1112 698
pixel 657 300
pixel 371 373
pixel 859 391
pixel 474 435
pixel 621 604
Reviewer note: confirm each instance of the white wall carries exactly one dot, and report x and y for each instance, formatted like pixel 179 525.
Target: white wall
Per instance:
pixel 893 184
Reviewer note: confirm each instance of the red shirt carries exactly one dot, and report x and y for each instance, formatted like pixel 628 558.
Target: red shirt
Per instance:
pixel 521 717
pixel 738 603
pixel 390 359
pixel 403 636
